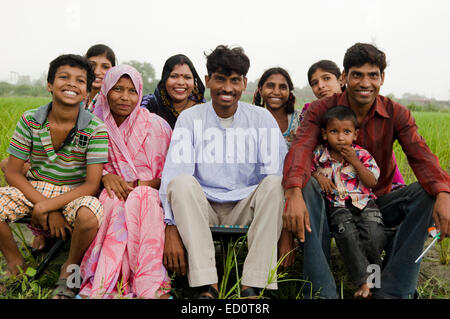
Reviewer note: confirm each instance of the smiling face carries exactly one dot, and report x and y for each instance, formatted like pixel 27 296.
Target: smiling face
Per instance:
pixel 122 99
pixel 180 83
pixel 339 133
pixel 324 83
pixel 100 65
pixel 275 91
pixel 363 85
pixel 226 90
pixel 69 86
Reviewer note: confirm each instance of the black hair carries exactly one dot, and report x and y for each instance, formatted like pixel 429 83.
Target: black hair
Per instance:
pixel 199 88
pixel 72 60
pixel 226 60
pixel 101 49
pixel 327 66
pixel 170 64
pixel 340 113
pixel 362 53
pixel 289 106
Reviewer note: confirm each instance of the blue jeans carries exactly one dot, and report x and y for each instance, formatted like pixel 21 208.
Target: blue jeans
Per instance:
pixel 408 208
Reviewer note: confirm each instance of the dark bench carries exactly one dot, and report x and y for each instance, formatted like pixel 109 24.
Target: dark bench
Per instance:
pixel 49 256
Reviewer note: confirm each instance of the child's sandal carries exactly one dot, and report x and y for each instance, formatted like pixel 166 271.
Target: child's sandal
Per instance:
pixel 61 289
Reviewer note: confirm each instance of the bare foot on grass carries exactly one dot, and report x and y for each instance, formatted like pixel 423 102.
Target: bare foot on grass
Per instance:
pixel 15 269
pixel 363 291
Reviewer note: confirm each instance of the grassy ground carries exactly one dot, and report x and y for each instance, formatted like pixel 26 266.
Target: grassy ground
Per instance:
pixel 434 280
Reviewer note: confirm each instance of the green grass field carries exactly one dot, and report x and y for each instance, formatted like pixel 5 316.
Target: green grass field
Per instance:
pixel 434 127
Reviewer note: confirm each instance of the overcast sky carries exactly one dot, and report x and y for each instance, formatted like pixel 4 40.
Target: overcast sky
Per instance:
pixel 292 34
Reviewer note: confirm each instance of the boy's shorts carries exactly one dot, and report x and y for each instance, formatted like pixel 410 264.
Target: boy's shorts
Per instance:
pixel 14 205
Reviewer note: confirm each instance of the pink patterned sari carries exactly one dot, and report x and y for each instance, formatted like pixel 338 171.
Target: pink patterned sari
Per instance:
pixel 125 259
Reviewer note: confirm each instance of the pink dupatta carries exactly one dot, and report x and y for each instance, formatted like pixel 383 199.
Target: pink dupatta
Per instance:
pixel 118 135
pixel 125 259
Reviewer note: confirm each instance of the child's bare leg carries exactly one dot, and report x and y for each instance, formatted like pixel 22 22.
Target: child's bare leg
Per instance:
pixel 9 249
pixel 84 230
pixel 363 291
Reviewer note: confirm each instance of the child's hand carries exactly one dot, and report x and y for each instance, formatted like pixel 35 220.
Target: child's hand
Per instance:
pixel 115 184
pixel 326 184
pixel 39 216
pixel 349 154
pixel 58 225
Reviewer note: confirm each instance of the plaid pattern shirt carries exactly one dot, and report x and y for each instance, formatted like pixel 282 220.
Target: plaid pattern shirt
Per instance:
pixel 385 122
pixel 345 177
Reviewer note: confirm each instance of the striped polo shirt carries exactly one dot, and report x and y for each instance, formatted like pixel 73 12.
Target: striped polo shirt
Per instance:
pixel 86 144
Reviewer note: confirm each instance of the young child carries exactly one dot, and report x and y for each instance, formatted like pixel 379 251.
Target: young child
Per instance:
pixel 66 146
pixel 346 173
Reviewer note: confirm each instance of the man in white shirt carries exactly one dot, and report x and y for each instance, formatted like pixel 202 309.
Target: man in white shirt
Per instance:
pixel 224 166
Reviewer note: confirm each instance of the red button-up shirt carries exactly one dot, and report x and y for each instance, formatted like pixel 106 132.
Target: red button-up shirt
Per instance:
pixel 385 122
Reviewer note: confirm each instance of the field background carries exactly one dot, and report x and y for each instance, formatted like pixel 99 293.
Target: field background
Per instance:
pixel 433 126
pixel 434 281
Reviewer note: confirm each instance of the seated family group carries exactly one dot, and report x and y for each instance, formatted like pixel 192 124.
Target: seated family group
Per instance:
pixel 137 179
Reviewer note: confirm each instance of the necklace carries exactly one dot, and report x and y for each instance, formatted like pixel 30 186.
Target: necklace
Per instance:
pixel 183 107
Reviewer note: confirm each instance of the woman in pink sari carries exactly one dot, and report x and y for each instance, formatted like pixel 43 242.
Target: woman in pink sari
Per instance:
pixel 125 259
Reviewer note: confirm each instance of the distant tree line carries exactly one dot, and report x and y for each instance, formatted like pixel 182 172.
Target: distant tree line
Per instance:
pixel 38 88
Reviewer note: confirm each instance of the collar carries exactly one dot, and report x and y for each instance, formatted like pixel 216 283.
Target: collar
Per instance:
pixel 378 106
pixel 235 116
pixel 325 157
pixel 83 120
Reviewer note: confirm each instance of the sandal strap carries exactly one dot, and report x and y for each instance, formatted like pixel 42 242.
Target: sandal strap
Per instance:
pixel 62 290
pixel 250 292
pixel 207 289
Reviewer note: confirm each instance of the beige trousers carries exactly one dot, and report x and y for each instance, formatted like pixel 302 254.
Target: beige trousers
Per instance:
pixel 261 210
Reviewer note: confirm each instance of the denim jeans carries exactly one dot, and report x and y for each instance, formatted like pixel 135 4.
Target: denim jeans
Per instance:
pixel 359 236
pixel 408 208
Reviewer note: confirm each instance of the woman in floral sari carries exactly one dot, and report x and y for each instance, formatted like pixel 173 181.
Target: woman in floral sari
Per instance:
pixel 125 259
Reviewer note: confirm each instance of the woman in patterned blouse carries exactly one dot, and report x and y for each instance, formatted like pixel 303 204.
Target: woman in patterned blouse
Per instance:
pixel 275 92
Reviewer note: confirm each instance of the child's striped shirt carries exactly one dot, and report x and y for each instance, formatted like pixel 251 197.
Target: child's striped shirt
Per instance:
pixel 87 144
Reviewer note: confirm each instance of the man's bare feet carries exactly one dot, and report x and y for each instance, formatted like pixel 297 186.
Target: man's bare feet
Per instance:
pixel 38 242
pixel 363 291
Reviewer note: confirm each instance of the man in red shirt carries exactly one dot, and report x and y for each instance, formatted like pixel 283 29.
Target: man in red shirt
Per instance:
pixel 410 209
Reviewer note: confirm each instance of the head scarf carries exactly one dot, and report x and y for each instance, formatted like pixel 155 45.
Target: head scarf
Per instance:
pixel 118 135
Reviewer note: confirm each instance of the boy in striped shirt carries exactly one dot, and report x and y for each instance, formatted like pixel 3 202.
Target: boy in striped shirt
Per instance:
pixel 67 147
